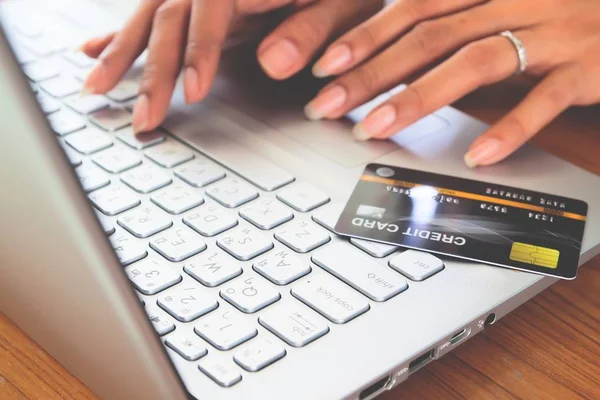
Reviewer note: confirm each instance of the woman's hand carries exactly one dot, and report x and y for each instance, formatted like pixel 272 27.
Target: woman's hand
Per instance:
pixel 459 40
pixel 188 35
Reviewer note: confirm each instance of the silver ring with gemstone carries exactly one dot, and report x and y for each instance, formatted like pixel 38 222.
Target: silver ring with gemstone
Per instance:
pixel 521 51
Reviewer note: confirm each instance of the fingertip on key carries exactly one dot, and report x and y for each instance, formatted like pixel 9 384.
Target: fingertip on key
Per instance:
pixel 141 113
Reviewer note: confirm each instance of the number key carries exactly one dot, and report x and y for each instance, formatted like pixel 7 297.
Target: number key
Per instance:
pixel 150 276
pixel 187 303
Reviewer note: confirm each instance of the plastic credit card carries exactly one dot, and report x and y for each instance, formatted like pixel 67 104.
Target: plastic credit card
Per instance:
pixel 478 221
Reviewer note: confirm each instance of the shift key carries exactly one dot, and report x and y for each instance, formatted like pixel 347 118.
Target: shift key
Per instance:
pixel 376 281
pixel 331 298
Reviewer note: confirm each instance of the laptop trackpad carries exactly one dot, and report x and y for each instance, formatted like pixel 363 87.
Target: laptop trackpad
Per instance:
pixel 242 85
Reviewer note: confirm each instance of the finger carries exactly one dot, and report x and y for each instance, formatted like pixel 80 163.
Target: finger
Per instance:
pixel 209 25
pixel 122 51
pixel 545 102
pixel 366 39
pixel 426 43
pixel 95 46
pixel 261 6
pixel 165 51
pixel 293 44
pixel 478 64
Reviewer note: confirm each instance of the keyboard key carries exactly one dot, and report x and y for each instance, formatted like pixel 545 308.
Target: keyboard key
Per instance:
pixel 374 249
pixel 124 91
pixel 232 192
pixel 188 346
pixel 61 86
pixel 89 141
pixel 281 267
pixel 249 165
pixel 146 178
pixel 114 199
pixel 107 224
pixel 64 122
pixel 199 173
pixel 73 157
pixel 250 295
pixel 111 118
pixel 213 269
pixel 91 178
pixel 259 354
pixel 23 55
pixel 328 216
pixel 210 220
pixel 44 46
pixel 117 159
pixel 127 249
pixel 41 70
pixel 303 197
pixel 82 74
pixel 86 104
pixel 161 323
pixel 141 141
pixel 225 329
pixel 29 26
pixel 331 298
pixel 223 374
pixel 144 221
pixel 358 270
pixel 186 303
pixel 266 213
pixel 294 324
pixel 47 104
pixel 169 154
pixel 151 277
pixel 177 198
pixel 245 243
pixel 302 236
pixel 79 59
pixel 416 265
pixel 178 244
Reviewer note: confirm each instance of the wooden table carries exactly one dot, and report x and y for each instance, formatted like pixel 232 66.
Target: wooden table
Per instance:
pixel 548 348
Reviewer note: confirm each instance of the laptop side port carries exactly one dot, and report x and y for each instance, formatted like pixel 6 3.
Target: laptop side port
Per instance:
pixel 420 361
pixel 460 336
pixel 375 389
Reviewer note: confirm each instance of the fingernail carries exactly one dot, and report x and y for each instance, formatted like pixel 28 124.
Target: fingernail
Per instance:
pixel 279 57
pixel 86 91
pixel 376 123
pixel 141 113
pixel 482 152
pixel 190 79
pixel 333 61
pixel 325 103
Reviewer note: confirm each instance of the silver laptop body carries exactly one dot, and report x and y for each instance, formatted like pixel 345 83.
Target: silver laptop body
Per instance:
pixel 249 330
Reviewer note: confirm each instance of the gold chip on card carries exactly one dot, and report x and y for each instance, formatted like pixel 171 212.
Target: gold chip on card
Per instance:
pixel 536 255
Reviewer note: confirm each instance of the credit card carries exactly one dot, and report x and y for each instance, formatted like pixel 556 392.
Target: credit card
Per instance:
pixel 494 224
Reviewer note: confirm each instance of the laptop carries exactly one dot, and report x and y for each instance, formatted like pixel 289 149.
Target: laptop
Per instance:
pixel 179 265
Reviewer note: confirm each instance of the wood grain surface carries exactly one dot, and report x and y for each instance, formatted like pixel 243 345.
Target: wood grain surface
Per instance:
pixel 549 348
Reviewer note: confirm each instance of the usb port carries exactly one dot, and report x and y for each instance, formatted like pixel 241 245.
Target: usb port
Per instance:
pixel 375 389
pixel 459 336
pixel 420 361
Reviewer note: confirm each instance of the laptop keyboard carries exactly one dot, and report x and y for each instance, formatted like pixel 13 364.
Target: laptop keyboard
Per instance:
pixel 204 247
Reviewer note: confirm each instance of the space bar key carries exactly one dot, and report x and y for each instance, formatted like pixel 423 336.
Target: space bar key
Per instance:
pixel 241 160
